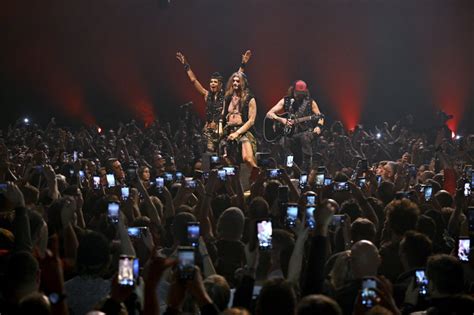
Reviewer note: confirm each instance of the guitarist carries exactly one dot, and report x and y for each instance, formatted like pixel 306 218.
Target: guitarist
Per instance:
pixel 298 103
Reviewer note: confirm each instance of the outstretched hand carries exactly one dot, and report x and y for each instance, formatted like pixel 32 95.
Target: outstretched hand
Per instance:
pixel 180 57
pixel 246 56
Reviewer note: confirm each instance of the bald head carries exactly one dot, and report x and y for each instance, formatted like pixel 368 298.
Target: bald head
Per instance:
pixel 365 259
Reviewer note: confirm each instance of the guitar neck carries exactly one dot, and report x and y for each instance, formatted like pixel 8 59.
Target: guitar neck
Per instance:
pixel 303 119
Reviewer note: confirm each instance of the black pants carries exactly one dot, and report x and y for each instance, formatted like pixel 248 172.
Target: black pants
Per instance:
pixel 301 146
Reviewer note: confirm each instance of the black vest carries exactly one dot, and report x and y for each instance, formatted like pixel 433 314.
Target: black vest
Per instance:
pixel 300 109
pixel 214 106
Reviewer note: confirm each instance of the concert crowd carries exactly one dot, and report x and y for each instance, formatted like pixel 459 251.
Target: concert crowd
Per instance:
pixel 135 220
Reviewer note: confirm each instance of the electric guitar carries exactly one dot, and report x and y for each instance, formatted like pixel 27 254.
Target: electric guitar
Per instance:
pixel 273 130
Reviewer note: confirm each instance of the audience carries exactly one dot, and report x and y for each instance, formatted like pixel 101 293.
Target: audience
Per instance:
pixel 123 221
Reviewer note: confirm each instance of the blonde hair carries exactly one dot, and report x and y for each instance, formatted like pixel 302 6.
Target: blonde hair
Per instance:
pixel 341 272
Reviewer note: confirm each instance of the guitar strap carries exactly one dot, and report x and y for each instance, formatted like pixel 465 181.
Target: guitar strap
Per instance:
pixel 304 110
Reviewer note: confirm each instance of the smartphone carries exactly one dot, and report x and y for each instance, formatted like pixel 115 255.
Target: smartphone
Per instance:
pixel 3 188
pixel 264 234
pixel 310 222
pixel 125 192
pixel 311 200
pixel 464 247
pixel 289 160
pixel 82 175
pixel 96 182
pixel 470 218
pixel 137 231
pixel 221 174
pixel 160 183
pixel 467 189
pixel 291 214
pixel 74 156
pixel 186 262
pixel 361 181
pixel 178 176
pixel 229 170
pixel 190 182
pixel 168 177
pixel 327 181
pixel 110 180
pixel 421 282
pixel 337 220
pixel 368 293
pixel 303 180
pixel 113 211
pixel 427 192
pixel 128 270
pixel 341 186
pixel 193 232
pixel 273 173
pixel 319 179
pixel 214 160
pixel 363 165
pixel 379 179
pixel 283 193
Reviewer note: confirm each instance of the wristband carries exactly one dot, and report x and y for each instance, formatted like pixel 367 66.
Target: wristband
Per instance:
pixel 186 67
pixel 242 65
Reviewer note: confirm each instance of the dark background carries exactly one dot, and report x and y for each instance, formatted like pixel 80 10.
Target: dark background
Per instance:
pixel 365 61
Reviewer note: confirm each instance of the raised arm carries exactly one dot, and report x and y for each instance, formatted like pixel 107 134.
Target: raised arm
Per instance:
pixel 191 75
pixel 245 59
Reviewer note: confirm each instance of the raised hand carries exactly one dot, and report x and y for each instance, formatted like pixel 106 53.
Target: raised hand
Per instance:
pixel 246 56
pixel 181 58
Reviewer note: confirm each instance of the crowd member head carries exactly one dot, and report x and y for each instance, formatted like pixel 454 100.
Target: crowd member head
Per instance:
pixel 365 259
pixel 35 303
pixel 401 216
pixel 93 254
pixel 22 277
pixel 276 297
pixel 179 228
pixel 218 290
pixel 351 208
pixel 116 167
pixel 318 304
pixel 230 225
pixel 415 248
pixel 258 208
pixel 144 173
pixel 445 275
pixel 363 229
pixel 427 226
pixel 444 198
pixel 387 169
